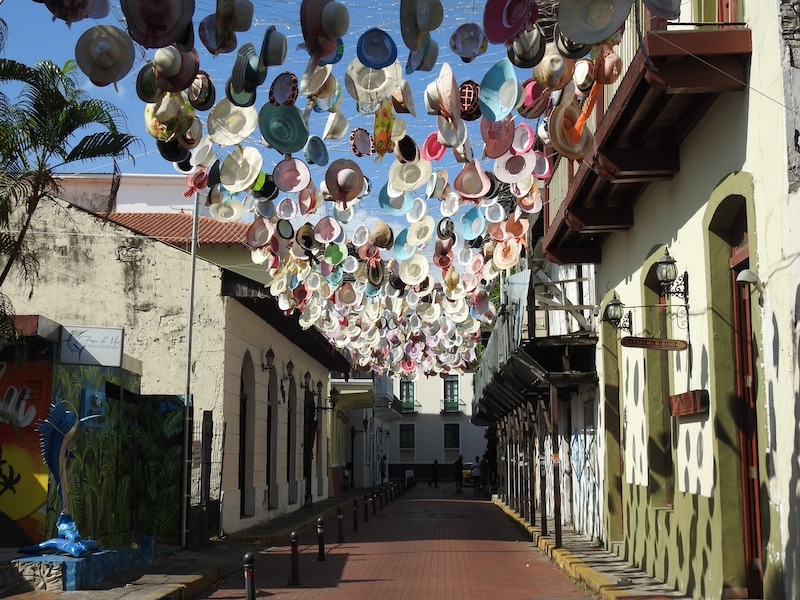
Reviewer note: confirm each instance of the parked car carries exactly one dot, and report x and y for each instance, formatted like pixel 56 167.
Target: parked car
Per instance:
pixel 466 474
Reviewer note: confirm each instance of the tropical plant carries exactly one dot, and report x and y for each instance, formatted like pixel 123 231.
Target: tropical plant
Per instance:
pixel 50 127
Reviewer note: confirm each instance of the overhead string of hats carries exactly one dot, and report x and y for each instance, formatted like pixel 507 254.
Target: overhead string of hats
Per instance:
pixel 405 302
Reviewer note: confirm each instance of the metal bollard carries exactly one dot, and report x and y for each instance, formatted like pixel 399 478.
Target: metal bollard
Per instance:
pixel 340 523
pixel 320 540
pixel 374 508
pixel 249 583
pixel 366 508
pixel 355 514
pixel 294 578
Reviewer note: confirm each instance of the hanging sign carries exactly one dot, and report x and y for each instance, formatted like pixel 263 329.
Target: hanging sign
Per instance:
pixel 654 343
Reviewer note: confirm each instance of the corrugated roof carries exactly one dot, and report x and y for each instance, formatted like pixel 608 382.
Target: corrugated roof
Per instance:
pixel 176 228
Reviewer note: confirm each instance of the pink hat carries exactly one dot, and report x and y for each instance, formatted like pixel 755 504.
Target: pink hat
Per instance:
pixel 432 149
pixel 503 19
pixel 497 136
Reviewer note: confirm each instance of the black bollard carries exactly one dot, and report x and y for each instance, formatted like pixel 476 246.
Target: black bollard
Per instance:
pixel 374 508
pixel 294 578
pixel 355 514
pixel 366 508
pixel 249 583
pixel 320 540
pixel 340 523
pixel 380 497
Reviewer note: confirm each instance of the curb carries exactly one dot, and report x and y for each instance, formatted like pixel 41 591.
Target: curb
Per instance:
pixel 574 567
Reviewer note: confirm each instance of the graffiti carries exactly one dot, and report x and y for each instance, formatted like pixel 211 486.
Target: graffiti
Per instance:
pixel 15 402
pixel 8 478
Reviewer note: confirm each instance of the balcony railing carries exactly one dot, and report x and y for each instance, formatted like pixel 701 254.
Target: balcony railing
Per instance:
pixel 451 406
pixel 409 406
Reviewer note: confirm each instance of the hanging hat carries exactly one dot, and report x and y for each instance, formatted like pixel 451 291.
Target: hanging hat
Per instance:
pixel 423 59
pixel 472 224
pixel 503 19
pixel 376 48
pixel 273 48
pixel 284 89
pixel 381 235
pixel 217 35
pixel 506 254
pixel 176 67
pixel 287 208
pixel 259 232
pixel 535 99
pixel 243 98
pixel 149 88
pixel 406 150
pixel 567 142
pixel 105 54
pixel 497 136
pixel 248 71
pixel 201 92
pixel 666 9
pixel 541 166
pixel 315 78
pixel 229 124
pixel 370 86
pixel 309 198
pixel 510 168
pixel 394 202
pixel 335 55
pixel 283 128
pixel 446 229
pixel 452 133
pixel 361 142
pixel 336 126
pixel 469 41
pixel 450 204
pixel 442 96
pixel 417 19
pixel 344 180
pixel 468 99
pixel 240 169
pixel 315 152
pixel 432 149
pixel 499 91
pixel 567 47
pixel 438 185
pixel 323 22
pixel 471 182
pixel 555 70
pixel 592 22
pixel 608 65
pixel 157 23
pixel 420 231
pixel 527 48
pixel 291 175
pixel 524 138
pixel 409 176
pixel 172 151
pixel 170 117
pixel 583 76
pixel 403 99
pixel 414 269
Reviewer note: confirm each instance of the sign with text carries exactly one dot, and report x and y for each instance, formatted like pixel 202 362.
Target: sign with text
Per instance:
pixel 654 343
pixel 100 346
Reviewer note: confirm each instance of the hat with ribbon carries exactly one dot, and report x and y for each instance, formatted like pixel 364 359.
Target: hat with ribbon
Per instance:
pixel 568 133
pixel 527 49
pixel 201 92
pixel 567 47
pixel 414 269
pixel 105 54
pixel 370 86
pixel 423 59
pixel 323 22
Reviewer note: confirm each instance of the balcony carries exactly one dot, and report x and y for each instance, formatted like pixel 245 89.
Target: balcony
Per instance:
pixel 451 406
pixel 409 406
pixel 671 80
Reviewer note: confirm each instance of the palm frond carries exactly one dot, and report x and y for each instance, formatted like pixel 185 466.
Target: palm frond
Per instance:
pixel 100 145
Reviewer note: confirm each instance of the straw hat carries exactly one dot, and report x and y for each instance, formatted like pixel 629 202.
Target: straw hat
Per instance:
pixel 201 92
pixel 370 86
pixel 469 41
pixel 229 124
pixel 409 176
pixel 527 48
pixel 497 136
pixel 506 254
pixel 105 54
pixel 336 126
pixel 561 127
pixel 414 269
pixel 291 175
pixel 420 232
pixel 323 22
pixel 381 236
pixel 555 70
pixel 240 169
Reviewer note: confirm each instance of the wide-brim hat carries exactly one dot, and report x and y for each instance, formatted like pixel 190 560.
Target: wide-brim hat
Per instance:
pixel 414 270
pixel 291 175
pixel 499 91
pixel 527 48
pixel 315 151
pixel 172 151
pixel 393 202
pixel 157 23
pixel 469 41
pixel 472 181
pixel 284 89
pixel 531 203
pixel 381 235
pixel 542 167
pixel 472 224
pixel 423 59
pixel 409 176
pixel 201 92
pixel 336 126
pixel 555 70
pixel 149 88
pixel 376 48
pixel 450 204
pixel 420 232
pixel 323 22
pixel 344 180
pixel 524 139
pixel 229 124
pixel 217 35
pixel 283 127
pixel 666 9
pixel 176 67
pixel 370 86
pixel 287 208
pixel 401 248
pixel 503 19
pixel 361 142
pixel 438 184
pixel 497 136
pixel 451 133
pixel 328 230
pixel 315 78
pixel 248 70
pixel 417 19
pixel 592 22
pixel 506 253
pixel 403 99
pixel 105 54
pixel 510 168
pixel 259 233
pixel 568 142
pixel 240 168
pixel 169 117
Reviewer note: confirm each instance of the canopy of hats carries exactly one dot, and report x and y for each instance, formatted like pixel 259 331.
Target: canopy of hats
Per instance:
pixel 385 192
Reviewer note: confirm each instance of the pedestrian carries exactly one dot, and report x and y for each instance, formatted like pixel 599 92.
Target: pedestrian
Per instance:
pixel 476 474
pixel 434 474
pixel 485 474
pixel 458 473
pixel 383 469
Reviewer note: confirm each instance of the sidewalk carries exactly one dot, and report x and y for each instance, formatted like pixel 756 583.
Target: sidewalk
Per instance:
pixel 422 543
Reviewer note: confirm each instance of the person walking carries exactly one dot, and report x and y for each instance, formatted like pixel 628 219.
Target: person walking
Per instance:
pixel 476 474
pixel 434 482
pixel 458 473
pixel 383 469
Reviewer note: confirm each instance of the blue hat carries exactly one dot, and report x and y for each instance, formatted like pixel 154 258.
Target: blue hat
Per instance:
pixel 472 224
pixel 376 48
pixel 499 91
pixel 395 205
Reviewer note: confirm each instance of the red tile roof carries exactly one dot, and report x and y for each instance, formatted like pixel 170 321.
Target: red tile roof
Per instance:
pixel 176 228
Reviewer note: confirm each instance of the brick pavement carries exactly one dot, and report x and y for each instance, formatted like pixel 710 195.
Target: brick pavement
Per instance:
pixel 427 543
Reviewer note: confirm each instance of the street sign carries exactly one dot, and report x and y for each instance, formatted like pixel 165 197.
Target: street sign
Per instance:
pixel 654 343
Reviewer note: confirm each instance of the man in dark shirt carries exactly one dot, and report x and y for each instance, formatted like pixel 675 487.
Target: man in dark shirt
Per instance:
pixel 458 472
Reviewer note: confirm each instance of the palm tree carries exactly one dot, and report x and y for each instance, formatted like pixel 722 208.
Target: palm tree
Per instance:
pixel 38 133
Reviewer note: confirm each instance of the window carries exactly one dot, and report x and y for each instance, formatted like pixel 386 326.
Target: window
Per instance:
pixel 451 396
pixel 452 436
pixel 408 396
pixel 406 436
